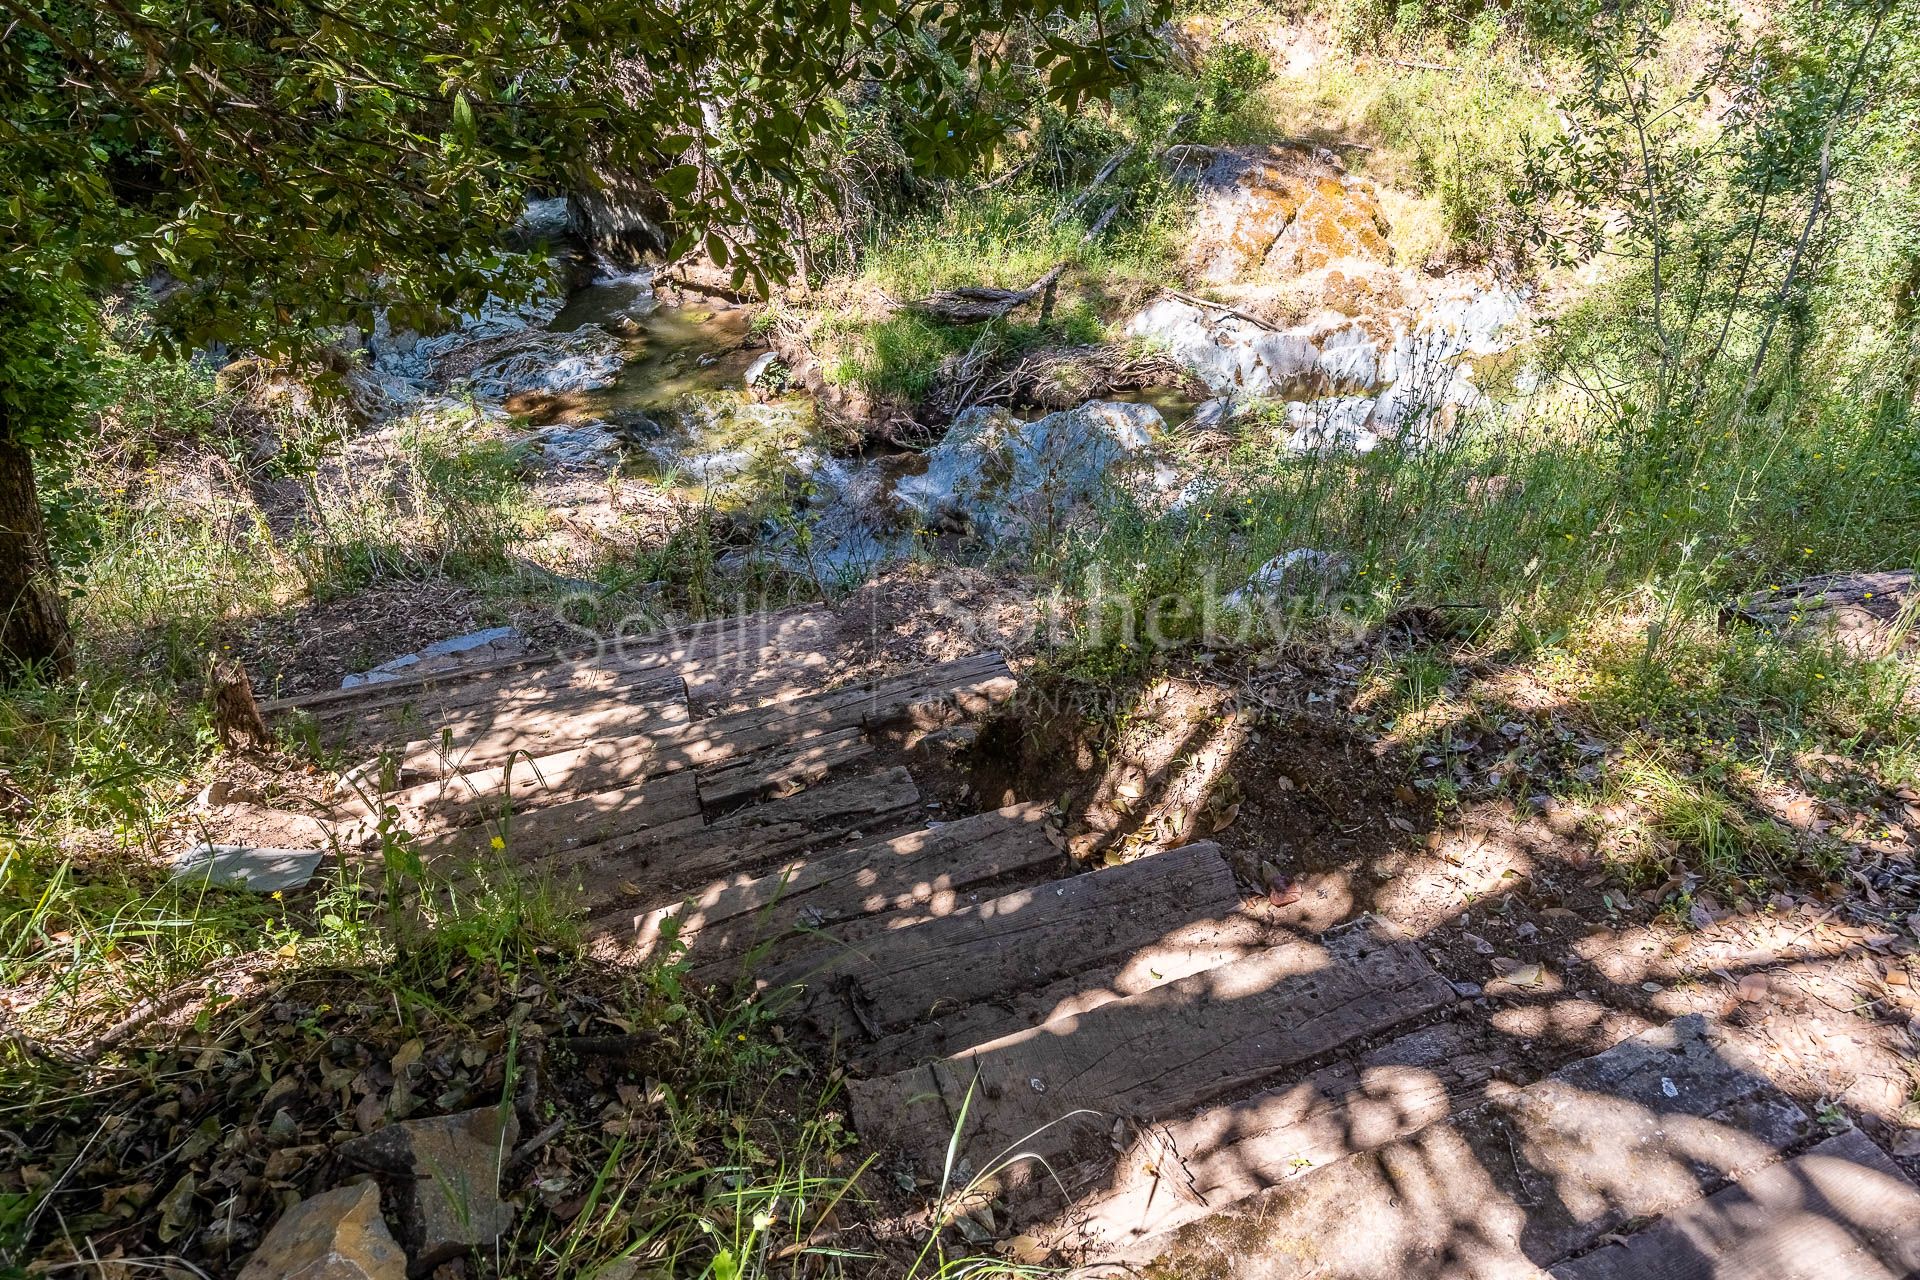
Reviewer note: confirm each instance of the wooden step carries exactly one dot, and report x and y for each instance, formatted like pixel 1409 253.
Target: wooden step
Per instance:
pixel 1153 1055
pixel 783 770
pixel 1183 949
pixel 923 870
pixel 1841 1211
pixel 599 766
pixel 702 647
pixel 542 832
pixel 534 726
pixel 652 873
pixel 1519 1182
pixel 881 973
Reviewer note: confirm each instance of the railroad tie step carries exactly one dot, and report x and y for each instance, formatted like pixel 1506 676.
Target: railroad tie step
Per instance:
pixel 1056 1089
pixel 1514 1184
pixel 653 873
pixel 927 871
pixel 881 973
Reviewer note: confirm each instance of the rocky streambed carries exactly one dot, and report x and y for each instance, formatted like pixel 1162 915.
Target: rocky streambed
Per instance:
pixel 1313 338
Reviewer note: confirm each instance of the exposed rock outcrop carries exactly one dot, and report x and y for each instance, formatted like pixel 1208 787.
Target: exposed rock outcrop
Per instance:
pixel 1276 212
pixel 1393 376
pixel 619 218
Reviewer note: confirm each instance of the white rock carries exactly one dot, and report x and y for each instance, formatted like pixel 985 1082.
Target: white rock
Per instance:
pixel 1004 478
pixel 502 642
pixel 1339 422
pixel 1267 580
pixel 251 867
pixel 1211 413
pixel 760 367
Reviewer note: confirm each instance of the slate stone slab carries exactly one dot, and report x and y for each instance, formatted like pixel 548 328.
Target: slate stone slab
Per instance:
pixel 241 866
pixel 337 1235
pixel 450 1171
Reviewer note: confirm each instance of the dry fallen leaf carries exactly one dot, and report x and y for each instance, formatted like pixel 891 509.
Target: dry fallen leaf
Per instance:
pixel 408 1054
pixel 1753 987
pixel 1224 819
pixel 1027 1251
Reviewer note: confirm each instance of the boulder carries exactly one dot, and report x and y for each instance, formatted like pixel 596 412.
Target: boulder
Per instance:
pixel 449 1170
pixel 1003 478
pixel 1280 211
pixel 1868 614
pixel 337 1235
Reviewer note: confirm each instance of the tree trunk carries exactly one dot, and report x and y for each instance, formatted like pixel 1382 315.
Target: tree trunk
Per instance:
pixel 33 624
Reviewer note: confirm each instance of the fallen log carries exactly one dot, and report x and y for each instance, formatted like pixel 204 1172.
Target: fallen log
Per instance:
pixel 976 305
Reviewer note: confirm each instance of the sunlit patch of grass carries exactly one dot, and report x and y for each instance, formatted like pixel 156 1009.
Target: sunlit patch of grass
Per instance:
pixel 1707 830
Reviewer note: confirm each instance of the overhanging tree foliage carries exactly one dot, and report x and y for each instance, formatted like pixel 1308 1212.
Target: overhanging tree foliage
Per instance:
pixel 276 165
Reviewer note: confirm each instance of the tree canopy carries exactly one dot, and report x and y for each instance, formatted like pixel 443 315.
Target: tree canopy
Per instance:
pixel 286 160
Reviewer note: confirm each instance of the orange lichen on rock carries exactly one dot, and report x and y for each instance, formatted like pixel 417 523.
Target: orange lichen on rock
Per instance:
pixel 1281 211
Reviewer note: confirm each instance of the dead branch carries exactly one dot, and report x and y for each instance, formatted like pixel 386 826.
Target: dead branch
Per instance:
pixel 1236 313
pixel 976 305
pixel 1099 180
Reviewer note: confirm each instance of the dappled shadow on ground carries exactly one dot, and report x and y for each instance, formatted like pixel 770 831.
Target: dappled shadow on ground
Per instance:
pixel 1160 1085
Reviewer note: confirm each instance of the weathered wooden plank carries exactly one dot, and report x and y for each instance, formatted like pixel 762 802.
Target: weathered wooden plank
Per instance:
pixel 589 820
pixel 1181 1170
pixel 1156 1054
pixel 694 644
pixel 783 769
pixel 655 872
pixel 617 762
pixel 1520 1181
pixel 325 703
pixel 1185 948
pixel 1841 1211
pixel 537 727
pixel 924 870
pixel 1023 939
pixel 930 696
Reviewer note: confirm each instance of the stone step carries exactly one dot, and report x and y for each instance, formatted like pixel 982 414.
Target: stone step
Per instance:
pixel 1055 1090
pixel 923 871
pixel 1839 1211
pixel 879 974
pixel 1519 1182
